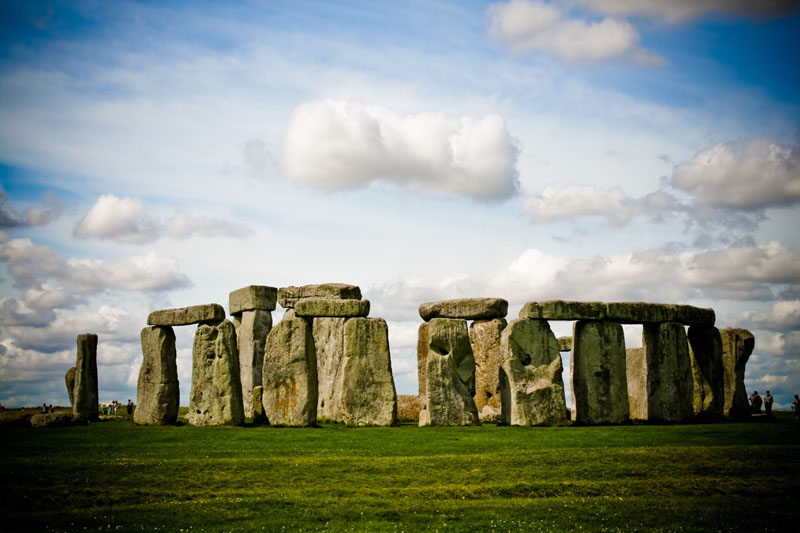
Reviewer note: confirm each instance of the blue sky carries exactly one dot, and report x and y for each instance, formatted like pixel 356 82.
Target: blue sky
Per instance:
pixel 163 155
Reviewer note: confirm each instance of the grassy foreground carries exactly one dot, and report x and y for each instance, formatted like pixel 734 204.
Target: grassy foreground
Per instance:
pixel 113 475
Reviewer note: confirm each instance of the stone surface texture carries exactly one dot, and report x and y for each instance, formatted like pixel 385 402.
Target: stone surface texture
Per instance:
pixel 289 377
pixel 622 312
pixel 484 336
pixel 597 366
pixel 157 391
pixel 663 378
pixel 531 383
pixel 636 371
pixel 252 297
pixel 737 346
pixel 85 392
pixel 366 385
pixel 184 316
pixel 259 416
pixel 408 407
pixel 450 375
pixel 69 381
pixel 288 296
pixel 49 420
pixel 324 307
pixel 466 308
pixel 563 310
pixel 328 335
pixel 705 352
pixel 422 358
pixel 216 394
pixel 252 328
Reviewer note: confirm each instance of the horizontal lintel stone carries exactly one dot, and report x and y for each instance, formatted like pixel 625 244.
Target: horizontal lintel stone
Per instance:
pixel 288 296
pixel 622 312
pixel 326 307
pixel 183 316
pixel 465 308
pixel 564 310
pixel 252 297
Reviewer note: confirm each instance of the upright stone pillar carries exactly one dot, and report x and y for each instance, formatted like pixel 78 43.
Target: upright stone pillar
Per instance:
pixel 663 378
pixel 289 378
pixel 86 401
pixel 69 381
pixel 531 383
pixel 422 359
pixel 251 308
pixel 328 335
pixel 485 335
pixel 450 380
pixel 599 382
pixel 737 345
pixel 216 395
pixel 705 351
pixel 158 397
pixel 368 396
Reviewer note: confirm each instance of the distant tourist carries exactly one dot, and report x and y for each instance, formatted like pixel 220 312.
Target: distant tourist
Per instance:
pixel 768 399
pixel 44 407
pixel 796 407
pixel 755 402
pixel 51 409
pixel 130 407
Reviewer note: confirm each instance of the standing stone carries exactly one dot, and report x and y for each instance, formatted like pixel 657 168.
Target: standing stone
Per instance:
pixel 69 379
pixel 259 416
pixel 737 345
pixel 216 395
pixel 408 407
pixel 368 396
pixel 663 378
pixel 599 383
pixel 450 370
pixel 635 368
pixel 329 347
pixel 290 374
pixel 157 394
pixel 85 392
pixel 252 327
pixel 422 360
pixel 705 351
pixel 484 335
pixel 531 385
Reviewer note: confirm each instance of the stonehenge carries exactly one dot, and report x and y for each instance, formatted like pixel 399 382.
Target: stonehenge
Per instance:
pixel 215 398
pixel 705 352
pixel 737 345
pixel 157 388
pixel 85 396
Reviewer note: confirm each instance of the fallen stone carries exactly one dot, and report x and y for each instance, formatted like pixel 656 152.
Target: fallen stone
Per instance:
pixel 215 398
pixel 69 381
pixel 484 336
pixel 662 379
pixel 368 396
pixel 322 307
pixel 329 346
pixel 252 327
pixel 51 420
pixel 408 407
pixel 597 366
pixel 85 392
pixel 737 346
pixel 183 316
pixel 259 416
pixel 705 352
pixel 252 297
pixel 422 359
pixel 563 310
pixel 466 308
pixel 157 390
pixel 450 370
pixel 290 374
pixel 647 313
pixel 287 296
pixel 531 384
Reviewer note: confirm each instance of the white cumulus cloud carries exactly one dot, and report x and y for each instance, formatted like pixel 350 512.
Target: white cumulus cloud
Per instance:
pixel 336 145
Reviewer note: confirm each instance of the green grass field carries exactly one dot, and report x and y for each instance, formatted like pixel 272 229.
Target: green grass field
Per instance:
pixel 113 475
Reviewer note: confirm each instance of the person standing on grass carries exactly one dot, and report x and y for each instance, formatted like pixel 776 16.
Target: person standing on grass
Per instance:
pixel 768 399
pixel 130 407
pixel 755 403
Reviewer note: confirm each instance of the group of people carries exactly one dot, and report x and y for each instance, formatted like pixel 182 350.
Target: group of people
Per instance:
pixel 48 408
pixel 756 401
pixel 113 407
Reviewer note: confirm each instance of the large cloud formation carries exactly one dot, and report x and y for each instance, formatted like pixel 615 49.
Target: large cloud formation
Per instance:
pixel 337 145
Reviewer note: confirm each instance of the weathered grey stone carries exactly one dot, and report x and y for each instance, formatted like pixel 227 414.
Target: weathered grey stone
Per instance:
pixel 484 336
pixel 69 381
pixel 157 391
pixel 252 328
pixel 466 308
pixel 422 359
pixel 252 297
pixel 287 296
pixel 531 384
pixel 737 345
pixel 49 420
pixel 450 370
pixel 323 307
pixel 183 316
pixel 85 391
pixel 563 310
pixel 368 396
pixel 705 352
pixel 565 344
pixel 662 379
pixel 599 383
pixel 259 416
pixel 648 313
pixel 215 398
pixel 329 346
pixel 408 407
pixel 290 374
